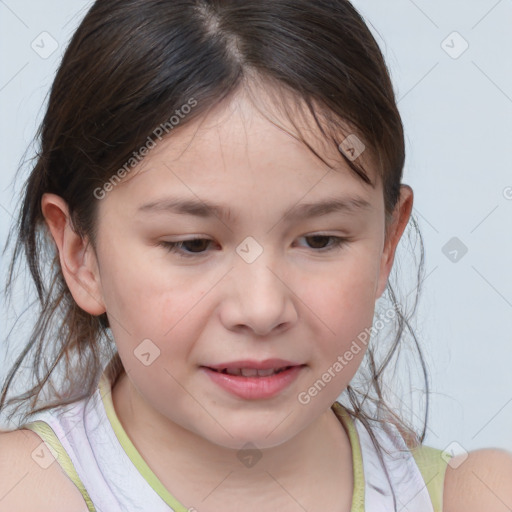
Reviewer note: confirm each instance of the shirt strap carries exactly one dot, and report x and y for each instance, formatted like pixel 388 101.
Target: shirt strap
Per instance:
pixel 432 464
pixel 46 433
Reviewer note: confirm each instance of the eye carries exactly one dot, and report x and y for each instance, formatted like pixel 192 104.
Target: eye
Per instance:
pixel 193 246
pixel 321 242
pixel 198 246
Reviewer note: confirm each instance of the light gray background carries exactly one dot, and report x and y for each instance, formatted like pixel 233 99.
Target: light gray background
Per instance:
pixel 457 111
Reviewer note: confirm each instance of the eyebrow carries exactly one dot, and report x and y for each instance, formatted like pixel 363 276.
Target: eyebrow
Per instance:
pixel 206 209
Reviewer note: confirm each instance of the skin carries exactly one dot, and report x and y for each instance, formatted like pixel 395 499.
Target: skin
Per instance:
pixel 294 302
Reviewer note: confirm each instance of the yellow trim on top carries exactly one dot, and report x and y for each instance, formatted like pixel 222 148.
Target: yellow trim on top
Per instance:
pixel 357 459
pixel 46 433
pixel 132 452
pixel 432 463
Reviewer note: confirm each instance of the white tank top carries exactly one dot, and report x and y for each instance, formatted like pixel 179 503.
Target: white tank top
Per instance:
pixel 88 441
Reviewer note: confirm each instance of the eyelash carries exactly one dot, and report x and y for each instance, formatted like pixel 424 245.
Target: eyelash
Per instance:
pixel 176 247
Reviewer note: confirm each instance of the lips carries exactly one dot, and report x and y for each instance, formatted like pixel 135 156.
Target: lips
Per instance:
pixel 251 383
pixel 251 372
pixel 252 379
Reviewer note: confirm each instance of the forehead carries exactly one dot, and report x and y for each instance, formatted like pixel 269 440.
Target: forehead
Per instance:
pixel 245 143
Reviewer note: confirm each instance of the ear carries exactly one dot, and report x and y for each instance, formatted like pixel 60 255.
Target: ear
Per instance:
pixel 77 257
pixel 397 225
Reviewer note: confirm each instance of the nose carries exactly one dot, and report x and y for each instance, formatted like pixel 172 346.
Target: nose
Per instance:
pixel 258 299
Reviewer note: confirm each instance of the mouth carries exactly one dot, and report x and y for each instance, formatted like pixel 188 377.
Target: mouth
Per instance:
pixel 251 372
pixel 253 380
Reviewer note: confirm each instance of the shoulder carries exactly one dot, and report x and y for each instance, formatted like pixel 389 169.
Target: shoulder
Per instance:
pixel 480 480
pixel 31 479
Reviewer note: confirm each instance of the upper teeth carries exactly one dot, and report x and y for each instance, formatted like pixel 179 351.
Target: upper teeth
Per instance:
pixel 252 372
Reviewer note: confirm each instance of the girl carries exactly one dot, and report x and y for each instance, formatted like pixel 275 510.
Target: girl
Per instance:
pixel 211 219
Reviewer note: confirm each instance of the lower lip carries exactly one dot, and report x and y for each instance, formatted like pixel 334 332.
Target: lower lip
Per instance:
pixel 254 388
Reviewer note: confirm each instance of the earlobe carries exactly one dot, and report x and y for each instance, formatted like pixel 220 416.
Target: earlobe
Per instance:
pixel 76 255
pixel 401 216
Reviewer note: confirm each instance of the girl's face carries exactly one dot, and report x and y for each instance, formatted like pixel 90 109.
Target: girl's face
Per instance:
pixel 257 285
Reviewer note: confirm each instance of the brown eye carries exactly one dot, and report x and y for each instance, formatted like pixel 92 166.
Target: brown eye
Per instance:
pixel 318 241
pixel 187 248
pixel 324 243
pixel 196 244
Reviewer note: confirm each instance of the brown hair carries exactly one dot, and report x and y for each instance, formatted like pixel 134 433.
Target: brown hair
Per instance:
pixel 129 66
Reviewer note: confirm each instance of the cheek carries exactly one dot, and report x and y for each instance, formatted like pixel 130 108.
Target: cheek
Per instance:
pixel 343 302
pixel 148 304
pixel 145 302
